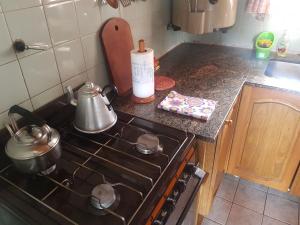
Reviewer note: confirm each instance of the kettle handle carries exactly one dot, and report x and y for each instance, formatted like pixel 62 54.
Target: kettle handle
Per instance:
pixel 115 93
pixel 29 116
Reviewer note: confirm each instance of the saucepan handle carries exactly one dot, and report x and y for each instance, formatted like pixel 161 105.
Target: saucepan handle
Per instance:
pixel 110 88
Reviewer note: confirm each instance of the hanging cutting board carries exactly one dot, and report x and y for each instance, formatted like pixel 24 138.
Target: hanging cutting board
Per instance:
pixel 117 42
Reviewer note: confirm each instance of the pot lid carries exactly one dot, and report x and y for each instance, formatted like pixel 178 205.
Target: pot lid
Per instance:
pixel 30 142
pixel 89 88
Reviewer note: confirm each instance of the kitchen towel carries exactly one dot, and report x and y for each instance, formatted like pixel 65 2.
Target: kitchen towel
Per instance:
pixel 258 7
pixel 190 106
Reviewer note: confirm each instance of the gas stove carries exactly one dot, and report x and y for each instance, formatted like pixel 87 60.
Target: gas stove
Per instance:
pixel 117 177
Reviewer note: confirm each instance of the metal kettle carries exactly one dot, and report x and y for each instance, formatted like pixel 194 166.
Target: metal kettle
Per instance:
pixel 94 113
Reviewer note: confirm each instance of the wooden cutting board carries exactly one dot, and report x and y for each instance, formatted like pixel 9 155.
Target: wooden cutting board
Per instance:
pixel 117 43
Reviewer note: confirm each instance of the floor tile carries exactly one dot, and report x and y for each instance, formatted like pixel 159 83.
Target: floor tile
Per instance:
pixel 282 209
pixel 250 198
pixel 271 221
pixel 220 211
pixel 227 189
pixel 285 195
pixel 254 185
pixel 208 222
pixel 231 177
pixel 242 216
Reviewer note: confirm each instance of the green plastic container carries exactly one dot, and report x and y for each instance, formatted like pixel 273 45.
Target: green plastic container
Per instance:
pixel 264 53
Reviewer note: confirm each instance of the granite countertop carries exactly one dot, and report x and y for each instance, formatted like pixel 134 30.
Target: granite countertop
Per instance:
pixel 207 71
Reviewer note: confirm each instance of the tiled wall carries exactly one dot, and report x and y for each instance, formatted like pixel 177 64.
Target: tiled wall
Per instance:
pixel 69 28
pixel 284 15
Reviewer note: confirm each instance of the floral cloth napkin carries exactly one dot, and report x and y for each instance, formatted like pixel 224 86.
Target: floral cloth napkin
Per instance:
pixel 190 106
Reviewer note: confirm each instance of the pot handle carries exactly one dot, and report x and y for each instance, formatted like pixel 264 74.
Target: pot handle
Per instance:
pixel 115 93
pixel 29 116
pixel 10 130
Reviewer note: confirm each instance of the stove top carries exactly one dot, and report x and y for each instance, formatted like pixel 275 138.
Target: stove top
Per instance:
pixel 108 178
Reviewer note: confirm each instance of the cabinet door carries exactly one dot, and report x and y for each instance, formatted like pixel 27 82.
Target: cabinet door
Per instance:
pixel 213 159
pixel 224 146
pixel 295 189
pixel 266 143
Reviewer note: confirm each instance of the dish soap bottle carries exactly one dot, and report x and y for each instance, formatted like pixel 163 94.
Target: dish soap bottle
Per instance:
pixel 282 45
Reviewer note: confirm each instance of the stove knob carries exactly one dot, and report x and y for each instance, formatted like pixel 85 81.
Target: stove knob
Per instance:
pixel 170 204
pixel 157 222
pixel 189 169
pixel 180 185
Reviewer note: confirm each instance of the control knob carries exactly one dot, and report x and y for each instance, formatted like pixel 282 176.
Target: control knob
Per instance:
pixel 190 169
pixel 180 185
pixel 170 204
pixel 157 222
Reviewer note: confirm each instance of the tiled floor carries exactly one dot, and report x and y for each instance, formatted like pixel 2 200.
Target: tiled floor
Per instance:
pixel 240 202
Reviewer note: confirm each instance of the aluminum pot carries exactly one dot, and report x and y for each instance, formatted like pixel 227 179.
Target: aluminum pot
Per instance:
pixel 34 148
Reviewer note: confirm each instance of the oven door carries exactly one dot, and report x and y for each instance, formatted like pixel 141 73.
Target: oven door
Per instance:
pixel 185 211
pixel 180 205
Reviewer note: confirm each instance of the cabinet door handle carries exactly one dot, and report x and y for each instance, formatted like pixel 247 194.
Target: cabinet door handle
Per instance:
pixel 228 122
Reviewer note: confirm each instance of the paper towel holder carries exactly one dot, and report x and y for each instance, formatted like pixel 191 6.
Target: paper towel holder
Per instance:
pixel 142 45
pixel 135 99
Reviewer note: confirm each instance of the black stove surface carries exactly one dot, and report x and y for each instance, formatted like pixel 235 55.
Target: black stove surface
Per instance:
pixel 64 196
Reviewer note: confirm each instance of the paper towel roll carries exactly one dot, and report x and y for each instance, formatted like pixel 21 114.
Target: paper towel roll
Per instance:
pixel 142 65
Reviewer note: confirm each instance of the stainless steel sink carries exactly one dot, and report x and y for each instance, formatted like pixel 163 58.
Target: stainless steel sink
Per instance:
pixel 283 69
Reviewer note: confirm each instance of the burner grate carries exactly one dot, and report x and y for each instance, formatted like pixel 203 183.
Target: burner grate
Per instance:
pixel 67 183
pixel 90 160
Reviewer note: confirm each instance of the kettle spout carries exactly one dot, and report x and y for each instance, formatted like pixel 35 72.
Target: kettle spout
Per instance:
pixel 71 97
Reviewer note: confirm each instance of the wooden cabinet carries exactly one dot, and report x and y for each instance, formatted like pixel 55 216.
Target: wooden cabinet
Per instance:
pixel 223 147
pixel 266 146
pixel 295 188
pixel 213 159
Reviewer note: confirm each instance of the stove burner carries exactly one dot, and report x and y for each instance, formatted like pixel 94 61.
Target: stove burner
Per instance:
pixel 103 196
pixel 48 171
pixel 148 144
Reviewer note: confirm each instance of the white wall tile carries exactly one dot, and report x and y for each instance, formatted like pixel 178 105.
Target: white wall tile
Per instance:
pixel 8 5
pixel 88 14
pixel 40 72
pixel 75 81
pixel 98 75
pixel 47 96
pixel 70 59
pixel 163 6
pixel 45 2
pixel 7 53
pixel 12 86
pixel 29 25
pixel 137 10
pixel 92 50
pixel 62 21
pixel 107 12
pixel 72 27
pixel 27 105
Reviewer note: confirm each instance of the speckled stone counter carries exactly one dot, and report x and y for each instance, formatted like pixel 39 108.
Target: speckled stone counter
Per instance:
pixel 233 68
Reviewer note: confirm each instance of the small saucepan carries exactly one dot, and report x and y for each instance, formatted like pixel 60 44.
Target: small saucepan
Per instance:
pixel 34 148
